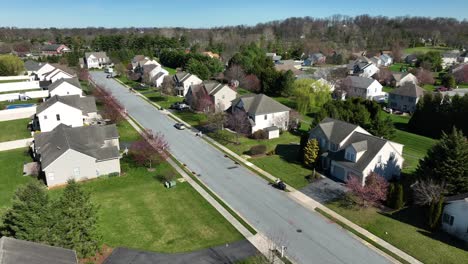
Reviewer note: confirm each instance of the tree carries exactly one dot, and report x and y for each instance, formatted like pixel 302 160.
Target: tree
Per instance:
pixel 198 68
pixel 216 119
pixel 239 122
pixel 252 83
pixel 83 75
pixel 427 191
pixel 168 85
pixel 397 52
pixel 435 211
pixel 385 76
pixel 431 60
pixel 310 94
pixel 235 72
pixel 10 65
pixel 447 162
pixel 311 152
pixel 425 76
pixel 120 69
pixel 372 193
pixel 461 75
pixel 151 149
pixel 75 226
pixel 383 127
pixel 448 81
pixel 28 218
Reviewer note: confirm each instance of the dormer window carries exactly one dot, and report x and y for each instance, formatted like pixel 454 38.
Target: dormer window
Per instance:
pixel 350 156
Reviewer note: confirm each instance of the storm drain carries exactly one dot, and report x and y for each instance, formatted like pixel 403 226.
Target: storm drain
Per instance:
pixel 233 167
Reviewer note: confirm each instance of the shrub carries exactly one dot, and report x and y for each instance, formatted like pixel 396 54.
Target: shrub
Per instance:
pixel 399 197
pixel 435 211
pixel 257 150
pixel 260 134
pixel 271 152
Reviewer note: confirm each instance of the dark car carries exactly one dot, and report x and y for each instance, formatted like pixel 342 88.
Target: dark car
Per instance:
pixel 180 106
pixel 179 126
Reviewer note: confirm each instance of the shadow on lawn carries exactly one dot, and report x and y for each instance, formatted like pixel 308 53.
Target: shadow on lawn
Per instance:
pixel 157 98
pixel 445 238
pixel 289 153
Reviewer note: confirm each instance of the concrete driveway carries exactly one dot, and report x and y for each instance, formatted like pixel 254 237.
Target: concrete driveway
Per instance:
pixel 309 237
pixel 324 190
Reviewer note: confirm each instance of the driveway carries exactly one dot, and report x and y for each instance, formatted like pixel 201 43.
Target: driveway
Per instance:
pixel 229 253
pixel 309 237
pixel 324 190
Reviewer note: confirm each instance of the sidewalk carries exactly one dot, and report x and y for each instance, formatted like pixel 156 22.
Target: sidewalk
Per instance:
pixel 15 144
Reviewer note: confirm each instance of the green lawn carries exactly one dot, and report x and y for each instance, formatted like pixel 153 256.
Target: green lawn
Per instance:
pixel 11 81
pixel 127 132
pixel 425 49
pixel 11 163
pixel 14 129
pixel 170 70
pixel 397 66
pixel 123 78
pixel 405 230
pixel 387 89
pixel 165 101
pixel 429 87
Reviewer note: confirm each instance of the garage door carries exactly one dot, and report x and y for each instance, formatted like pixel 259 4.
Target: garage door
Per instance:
pixel 338 172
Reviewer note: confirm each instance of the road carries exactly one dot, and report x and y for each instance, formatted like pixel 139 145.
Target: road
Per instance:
pixel 309 237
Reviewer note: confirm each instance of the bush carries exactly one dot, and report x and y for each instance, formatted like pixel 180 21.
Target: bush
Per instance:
pixel 395 197
pixel 260 134
pixel 435 211
pixel 257 150
pixel 271 152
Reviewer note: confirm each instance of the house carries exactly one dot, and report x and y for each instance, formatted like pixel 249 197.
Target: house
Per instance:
pixel 362 87
pixel 72 110
pixel 315 58
pixel 32 66
pixel 411 59
pixel 349 150
pixel 220 95
pixel 290 65
pixel 64 87
pixel 273 56
pixel 455 216
pixel 404 77
pixel 183 80
pixel 141 60
pixel 43 69
pixel 449 59
pixel 460 92
pixel 386 60
pixel 97 60
pixel 78 153
pixel 461 73
pixel 155 73
pixel 264 113
pixel 211 55
pixel 406 97
pixel 377 61
pixel 56 74
pixel 15 251
pixel 54 49
pixel 362 67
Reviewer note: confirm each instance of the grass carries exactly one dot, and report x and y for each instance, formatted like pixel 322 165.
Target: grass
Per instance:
pixel 397 66
pixel 192 118
pixel 11 163
pixel 14 129
pixel 126 132
pixel 123 78
pixel 405 230
pixel 291 172
pixel 136 211
pixel 12 81
pixel 387 89
pixel 165 101
pixel 171 71
pixel 425 49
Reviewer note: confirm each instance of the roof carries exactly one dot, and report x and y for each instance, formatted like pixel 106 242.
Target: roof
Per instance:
pixel 51 47
pixel 360 82
pixel 212 87
pixel 360 146
pixel 30 65
pixel 15 251
pixel 259 104
pixel 85 104
pixel 73 81
pixel 99 54
pixel 400 75
pixel 138 58
pixel 182 76
pixel 408 89
pixel 88 140
pixel 457 197
pixel 149 67
pixel 336 130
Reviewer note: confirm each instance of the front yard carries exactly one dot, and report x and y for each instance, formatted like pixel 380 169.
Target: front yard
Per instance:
pixel 14 129
pixel 405 230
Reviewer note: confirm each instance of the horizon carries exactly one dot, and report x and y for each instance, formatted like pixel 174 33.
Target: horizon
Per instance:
pixel 183 14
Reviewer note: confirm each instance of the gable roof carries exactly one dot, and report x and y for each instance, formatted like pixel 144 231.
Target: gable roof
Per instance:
pixel 259 104
pixel 15 251
pixel 73 81
pixel 88 140
pixel 30 65
pixel 360 82
pixel 148 68
pixel 85 104
pixel 100 54
pixel 408 89
pixel 182 76
pixel 336 130
pixel 400 75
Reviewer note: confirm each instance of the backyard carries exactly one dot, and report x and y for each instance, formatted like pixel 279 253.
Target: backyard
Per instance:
pixel 405 229
pixel 425 49
pixel 14 129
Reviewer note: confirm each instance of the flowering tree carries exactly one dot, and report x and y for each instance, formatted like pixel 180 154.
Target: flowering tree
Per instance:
pixel 425 76
pixel 374 192
pixel 113 110
pixel 83 75
pixel 252 83
pixel 151 149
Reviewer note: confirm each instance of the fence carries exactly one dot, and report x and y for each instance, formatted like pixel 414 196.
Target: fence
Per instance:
pixel 17 113
pixel 19 86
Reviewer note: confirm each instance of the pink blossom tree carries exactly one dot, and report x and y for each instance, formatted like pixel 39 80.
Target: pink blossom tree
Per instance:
pixel 373 193
pixel 151 149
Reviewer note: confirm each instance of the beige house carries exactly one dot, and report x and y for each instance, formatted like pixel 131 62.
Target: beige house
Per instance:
pixel 404 77
pixel 78 153
pixel 349 150
pixel 405 98
pixel 183 81
pixel 221 95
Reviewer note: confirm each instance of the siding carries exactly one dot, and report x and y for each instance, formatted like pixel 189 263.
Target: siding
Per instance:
pixel 63 168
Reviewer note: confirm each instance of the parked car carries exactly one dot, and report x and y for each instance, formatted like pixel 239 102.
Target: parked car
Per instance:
pixel 180 106
pixel 443 89
pixel 179 126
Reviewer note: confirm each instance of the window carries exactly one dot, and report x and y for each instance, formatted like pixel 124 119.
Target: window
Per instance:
pixel 58 117
pixel 266 117
pixel 350 156
pixel 76 171
pixel 333 147
pixel 392 155
pixel 448 219
pixel 68 92
pixel 45 117
pixel 379 159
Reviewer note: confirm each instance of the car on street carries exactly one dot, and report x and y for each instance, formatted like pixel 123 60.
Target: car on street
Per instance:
pixel 180 106
pixel 179 126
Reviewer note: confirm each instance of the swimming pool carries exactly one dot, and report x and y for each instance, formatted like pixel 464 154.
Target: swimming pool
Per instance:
pixel 18 106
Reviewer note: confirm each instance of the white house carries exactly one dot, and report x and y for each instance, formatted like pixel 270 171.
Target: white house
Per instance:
pixel 363 67
pixel 56 74
pixel 455 216
pixel 64 87
pixel 183 81
pixel 377 61
pixel 141 60
pixel 386 60
pixel 72 110
pixel 78 153
pixel 349 150
pixel 96 60
pixel 449 59
pixel 43 69
pixel 263 112
pixel 221 95
pixel 363 87
pixel 404 77
pixel 155 73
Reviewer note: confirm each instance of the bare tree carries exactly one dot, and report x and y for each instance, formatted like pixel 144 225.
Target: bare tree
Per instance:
pixel 252 83
pixel 235 73
pixel 397 52
pixel 425 192
pixel 385 76
pixel 425 76
pixel 168 85
pixel 216 120
pixel 239 122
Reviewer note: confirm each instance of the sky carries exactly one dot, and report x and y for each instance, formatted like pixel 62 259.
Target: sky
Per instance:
pixel 206 13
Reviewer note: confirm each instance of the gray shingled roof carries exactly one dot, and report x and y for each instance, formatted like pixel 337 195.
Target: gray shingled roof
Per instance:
pixel 73 81
pixel 360 82
pixel 15 251
pixel 408 89
pixel 182 76
pixel 138 58
pixel 88 140
pixel 336 130
pixel 259 104
pixel 100 54
pixel 85 104
pixel 400 75
pixel 149 68
pixel 51 47
pixel 30 65
pixel 360 146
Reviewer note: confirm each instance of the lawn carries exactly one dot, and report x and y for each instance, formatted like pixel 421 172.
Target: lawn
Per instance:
pixel 387 89
pixel 397 66
pixel 14 129
pixel 170 70
pixel 136 211
pixel 11 81
pixel 11 162
pixel 123 78
pixel 425 49
pixel 405 230
pixel 165 101
pixel 126 132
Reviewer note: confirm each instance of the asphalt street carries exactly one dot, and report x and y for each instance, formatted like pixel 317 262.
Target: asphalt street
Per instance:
pixel 309 237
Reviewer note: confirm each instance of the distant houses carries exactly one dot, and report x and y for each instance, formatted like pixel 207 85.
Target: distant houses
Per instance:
pixel 183 81
pixel 406 97
pixel 314 58
pixel 149 70
pixel 96 60
pixel 362 67
pixel 363 87
pixel 219 95
pixel 54 49
pixel 404 77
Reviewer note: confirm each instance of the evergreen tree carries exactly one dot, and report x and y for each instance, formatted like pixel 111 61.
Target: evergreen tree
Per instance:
pixel 447 162
pixel 311 152
pixel 435 211
pixel 75 225
pixel 383 127
pixel 28 218
pixel 399 197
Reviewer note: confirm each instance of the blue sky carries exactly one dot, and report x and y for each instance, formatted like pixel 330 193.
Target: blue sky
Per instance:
pixel 208 13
